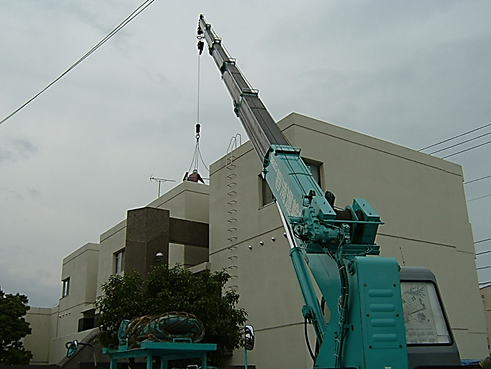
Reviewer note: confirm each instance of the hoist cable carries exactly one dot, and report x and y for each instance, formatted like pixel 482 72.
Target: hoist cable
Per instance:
pixel 118 28
pixel 199 77
pixel 202 161
pixel 193 160
pixel 197 157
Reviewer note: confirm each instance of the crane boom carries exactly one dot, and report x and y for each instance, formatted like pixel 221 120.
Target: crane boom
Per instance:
pixel 258 123
pixel 366 326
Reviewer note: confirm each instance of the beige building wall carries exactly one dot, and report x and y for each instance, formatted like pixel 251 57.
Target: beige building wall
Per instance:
pixel 90 266
pixel 111 242
pixel 188 200
pixel 80 267
pixel 42 322
pixel 486 299
pixel 419 197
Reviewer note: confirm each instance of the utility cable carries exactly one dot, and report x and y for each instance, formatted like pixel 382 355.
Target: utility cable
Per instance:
pixel 468 149
pixel 118 28
pixel 479 198
pixel 477 179
pixel 460 143
pixel 484 240
pixel 454 137
pixel 483 252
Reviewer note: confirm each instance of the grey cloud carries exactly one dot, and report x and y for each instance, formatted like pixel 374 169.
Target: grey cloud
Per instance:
pixel 17 148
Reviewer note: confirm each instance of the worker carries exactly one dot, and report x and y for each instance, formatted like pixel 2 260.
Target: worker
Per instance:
pixel 194 177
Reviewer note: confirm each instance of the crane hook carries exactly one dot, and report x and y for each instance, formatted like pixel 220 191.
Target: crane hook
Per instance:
pixel 201 45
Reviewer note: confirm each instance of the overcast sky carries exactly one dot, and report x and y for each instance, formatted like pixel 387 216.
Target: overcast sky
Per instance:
pixel 78 157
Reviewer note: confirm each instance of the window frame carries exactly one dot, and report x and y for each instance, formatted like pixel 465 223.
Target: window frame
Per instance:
pixel 118 262
pixel 65 287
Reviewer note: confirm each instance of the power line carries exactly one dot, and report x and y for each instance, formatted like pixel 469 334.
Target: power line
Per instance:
pixel 465 150
pixel 477 179
pixel 457 136
pixel 118 28
pixel 479 198
pixel 460 143
pixel 486 239
pixel 483 252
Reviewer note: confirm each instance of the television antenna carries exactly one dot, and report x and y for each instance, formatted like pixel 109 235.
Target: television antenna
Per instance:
pixel 160 180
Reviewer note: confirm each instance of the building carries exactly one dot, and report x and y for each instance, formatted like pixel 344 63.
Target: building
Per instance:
pixel 85 270
pixel 486 299
pixel 419 197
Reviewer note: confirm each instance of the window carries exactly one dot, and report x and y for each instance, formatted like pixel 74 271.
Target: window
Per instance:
pixel 88 320
pixel 118 262
pixel 315 169
pixel 423 315
pixel 65 287
pixel 267 195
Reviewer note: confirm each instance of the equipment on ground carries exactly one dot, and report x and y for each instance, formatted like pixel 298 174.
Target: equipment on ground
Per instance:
pixel 380 316
pixel 167 327
pixel 169 336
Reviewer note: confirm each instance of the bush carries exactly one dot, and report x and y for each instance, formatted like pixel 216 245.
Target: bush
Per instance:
pixel 174 289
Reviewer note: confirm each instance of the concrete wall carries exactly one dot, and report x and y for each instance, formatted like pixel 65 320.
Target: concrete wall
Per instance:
pixel 422 202
pixel 91 265
pixel 486 299
pixel 111 241
pixel 53 327
pixel 419 197
pixel 188 200
pixel 43 327
pixel 81 267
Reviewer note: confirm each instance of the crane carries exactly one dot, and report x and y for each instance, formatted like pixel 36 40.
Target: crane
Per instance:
pixel 368 326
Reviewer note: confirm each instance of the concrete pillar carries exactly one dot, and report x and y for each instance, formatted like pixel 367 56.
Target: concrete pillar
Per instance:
pixel 147 233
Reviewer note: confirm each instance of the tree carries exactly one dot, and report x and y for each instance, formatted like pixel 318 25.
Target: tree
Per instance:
pixel 174 289
pixel 13 327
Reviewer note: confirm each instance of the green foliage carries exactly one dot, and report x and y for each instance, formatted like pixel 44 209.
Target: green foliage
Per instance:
pixel 122 299
pixel 13 327
pixel 174 289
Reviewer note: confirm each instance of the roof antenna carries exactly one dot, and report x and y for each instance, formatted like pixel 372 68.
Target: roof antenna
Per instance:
pixel 160 180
